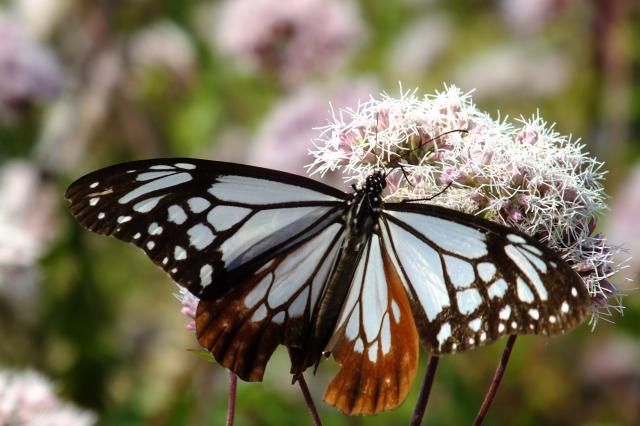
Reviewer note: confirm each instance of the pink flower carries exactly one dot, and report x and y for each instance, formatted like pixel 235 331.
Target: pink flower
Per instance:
pixel 27 398
pixel 623 226
pixel 26 226
pixel 291 39
pixel 523 174
pixel 29 72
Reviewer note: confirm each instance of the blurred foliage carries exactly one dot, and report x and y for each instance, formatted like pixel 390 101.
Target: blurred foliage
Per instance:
pixel 105 326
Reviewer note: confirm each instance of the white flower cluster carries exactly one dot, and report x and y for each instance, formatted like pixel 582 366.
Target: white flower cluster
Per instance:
pixel 521 174
pixel 27 398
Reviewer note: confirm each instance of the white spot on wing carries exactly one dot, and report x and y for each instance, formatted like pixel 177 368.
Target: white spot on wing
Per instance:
pixel 525 266
pixel 186 166
pixel 385 335
pixel 374 292
pixel 468 300
pixel 460 271
pixel 94 185
pixel 124 219
pixel 150 245
pixel 373 352
pixel 159 167
pixel 534 313
pixel 177 215
pixel 358 346
pixel 537 262
pixel 453 237
pixel 94 201
pixel 297 268
pixel 353 326
pixel 147 205
pixel 297 307
pixel 574 292
pixel 278 318
pixel 153 175
pixel 396 310
pixel 136 235
pixel 198 204
pixel 524 292
pixel 486 271
pixel 261 191
pixel 205 275
pixel 443 334
pixel 258 292
pixel 101 215
pixel 260 226
pixel 424 271
pixel 505 312
pixel 501 327
pixel 497 289
pixel 259 314
pixel 224 217
pixel 154 229
pixel 564 308
pixel 158 184
pixel 516 239
pixel 475 324
pixel 200 236
pixel 179 253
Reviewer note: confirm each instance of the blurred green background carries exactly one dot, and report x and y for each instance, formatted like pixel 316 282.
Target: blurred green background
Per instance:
pixel 84 84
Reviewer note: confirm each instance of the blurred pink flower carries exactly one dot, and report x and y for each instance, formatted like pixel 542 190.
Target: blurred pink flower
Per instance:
pixel 419 46
pixel 189 304
pixel 163 44
pixel 26 226
pixel 28 399
pixel 29 72
pixel 291 39
pixel 623 224
pixel 518 68
pixel 288 132
pixel 529 16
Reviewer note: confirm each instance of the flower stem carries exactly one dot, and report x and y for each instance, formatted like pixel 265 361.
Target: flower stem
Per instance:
pixel 497 378
pixel 425 391
pixel 315 418
pixel 231 405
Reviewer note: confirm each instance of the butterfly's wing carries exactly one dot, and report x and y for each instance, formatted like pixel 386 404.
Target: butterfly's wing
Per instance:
pixel 255 245
pixel 375 339
pixel 206 223
pixel 471 281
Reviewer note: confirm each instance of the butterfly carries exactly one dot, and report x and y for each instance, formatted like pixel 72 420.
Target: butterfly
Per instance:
pixel 280 259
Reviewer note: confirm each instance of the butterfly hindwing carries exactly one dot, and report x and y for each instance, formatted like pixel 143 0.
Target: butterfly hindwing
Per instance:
pixel 202 221
pixel 375 339
pixel 272 306
pixel 471 281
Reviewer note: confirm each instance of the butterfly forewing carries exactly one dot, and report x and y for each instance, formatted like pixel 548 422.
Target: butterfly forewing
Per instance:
pixel 471 281
pixel 203 222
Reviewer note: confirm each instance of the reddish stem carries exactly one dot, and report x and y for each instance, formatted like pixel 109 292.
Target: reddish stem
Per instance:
pixel 315 418
pixel 425 391
pixel 497 378
pixel 231 404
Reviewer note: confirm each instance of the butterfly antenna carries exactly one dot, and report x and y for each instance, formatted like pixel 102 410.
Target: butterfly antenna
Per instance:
pixel 431 197
pixel 404 173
